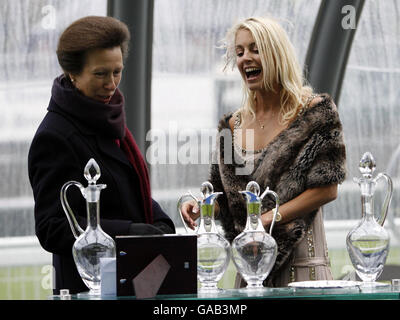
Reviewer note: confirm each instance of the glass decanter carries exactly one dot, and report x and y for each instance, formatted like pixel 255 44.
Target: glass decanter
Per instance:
pixel 254 251
pixel 368 242
pixel 92 244
pixel 213 250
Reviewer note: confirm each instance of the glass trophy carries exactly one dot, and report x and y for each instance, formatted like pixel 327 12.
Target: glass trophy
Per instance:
pixel 368 242
pixel 213 250
pixel 93 243
pixel 254 250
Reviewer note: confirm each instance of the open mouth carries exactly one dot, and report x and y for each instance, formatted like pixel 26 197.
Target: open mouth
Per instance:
pixel 105 99
pixel 252 72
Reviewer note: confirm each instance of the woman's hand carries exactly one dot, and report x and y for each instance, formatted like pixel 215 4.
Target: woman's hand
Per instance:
pixel 190 212
pixel 303 204
pixel 266 219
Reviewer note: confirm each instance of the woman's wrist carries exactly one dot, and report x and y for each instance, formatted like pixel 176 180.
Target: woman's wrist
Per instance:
pixel 268 217
pixel 278 215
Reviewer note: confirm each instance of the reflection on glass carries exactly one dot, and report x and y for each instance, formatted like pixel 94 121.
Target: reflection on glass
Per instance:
pixel 368 105
pixel 28 64
pixel 28 31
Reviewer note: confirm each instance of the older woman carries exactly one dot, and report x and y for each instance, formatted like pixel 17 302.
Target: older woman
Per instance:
pixel 297 150
pixel 86 119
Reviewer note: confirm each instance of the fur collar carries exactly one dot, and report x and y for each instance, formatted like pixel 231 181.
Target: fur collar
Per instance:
pixel 309 153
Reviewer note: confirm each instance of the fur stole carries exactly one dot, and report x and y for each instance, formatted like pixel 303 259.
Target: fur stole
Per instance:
pixel 309 153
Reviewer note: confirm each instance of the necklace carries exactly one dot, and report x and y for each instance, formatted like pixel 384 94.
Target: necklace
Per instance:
pixel 261 125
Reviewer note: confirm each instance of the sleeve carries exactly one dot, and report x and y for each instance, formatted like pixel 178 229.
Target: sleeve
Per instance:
pixel 51 163
pixel 162 223
pixel 325 152
pixel 161 220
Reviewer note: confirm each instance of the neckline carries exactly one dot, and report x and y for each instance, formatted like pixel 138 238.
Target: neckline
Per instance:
pixel 238 121
pixel 236 126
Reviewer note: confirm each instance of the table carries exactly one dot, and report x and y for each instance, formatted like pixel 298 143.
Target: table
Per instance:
pixel 338 303
pixel 352 293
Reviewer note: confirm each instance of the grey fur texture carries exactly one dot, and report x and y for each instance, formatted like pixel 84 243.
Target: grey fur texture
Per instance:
pixel 309 153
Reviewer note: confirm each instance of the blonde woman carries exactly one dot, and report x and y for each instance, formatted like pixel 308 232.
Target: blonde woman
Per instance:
pixel 297 150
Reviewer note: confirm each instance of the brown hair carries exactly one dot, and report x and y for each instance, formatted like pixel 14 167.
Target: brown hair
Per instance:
pixel 90 33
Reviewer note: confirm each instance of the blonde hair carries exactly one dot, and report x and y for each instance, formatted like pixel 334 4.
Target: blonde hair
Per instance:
pixel 279 63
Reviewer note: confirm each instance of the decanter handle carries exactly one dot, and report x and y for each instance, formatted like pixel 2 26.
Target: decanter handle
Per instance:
pixel 181 200
pixel 275 210
pixel 388 197
pixel 73 223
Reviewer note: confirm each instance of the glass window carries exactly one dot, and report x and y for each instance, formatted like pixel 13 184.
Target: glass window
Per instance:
pixel 29 32
pixel 190 92
pixel 368 105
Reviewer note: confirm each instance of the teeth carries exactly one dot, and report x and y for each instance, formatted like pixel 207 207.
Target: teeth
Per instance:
pixel 251 69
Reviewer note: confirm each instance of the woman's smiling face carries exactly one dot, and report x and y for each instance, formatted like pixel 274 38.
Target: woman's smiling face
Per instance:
pixel 248 60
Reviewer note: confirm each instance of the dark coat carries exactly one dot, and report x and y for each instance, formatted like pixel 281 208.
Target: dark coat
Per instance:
pixel 59 152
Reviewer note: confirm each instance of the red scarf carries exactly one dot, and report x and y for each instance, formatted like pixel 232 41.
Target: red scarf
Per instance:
pixel 131 150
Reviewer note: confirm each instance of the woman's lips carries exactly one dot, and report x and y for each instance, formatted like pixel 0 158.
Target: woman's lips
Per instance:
pixel 252 73
pixel 253 77
pixel 105 99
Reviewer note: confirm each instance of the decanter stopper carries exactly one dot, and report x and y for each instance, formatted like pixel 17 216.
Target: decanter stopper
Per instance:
pixel 92 171
pixel 206 189
pixel 367 165
pixel 253 187
pixel 209 196
pixel 253 204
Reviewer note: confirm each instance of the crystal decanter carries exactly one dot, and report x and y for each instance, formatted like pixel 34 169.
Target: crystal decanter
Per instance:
pixel 254 250
pixel 93 243
pixel 213 250
pixel 368 242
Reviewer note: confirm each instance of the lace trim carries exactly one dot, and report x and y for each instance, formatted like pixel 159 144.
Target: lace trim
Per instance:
pixel 308 102
pixel 236 126
pixel 238 122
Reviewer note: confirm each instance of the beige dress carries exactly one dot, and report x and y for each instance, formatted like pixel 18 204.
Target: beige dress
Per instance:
pixel 310 260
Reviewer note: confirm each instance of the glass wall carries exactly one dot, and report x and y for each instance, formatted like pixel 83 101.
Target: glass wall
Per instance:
pixel 190 92
pixel 368 105
pixel 368 108
pixel 28 31
pixel 28 64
